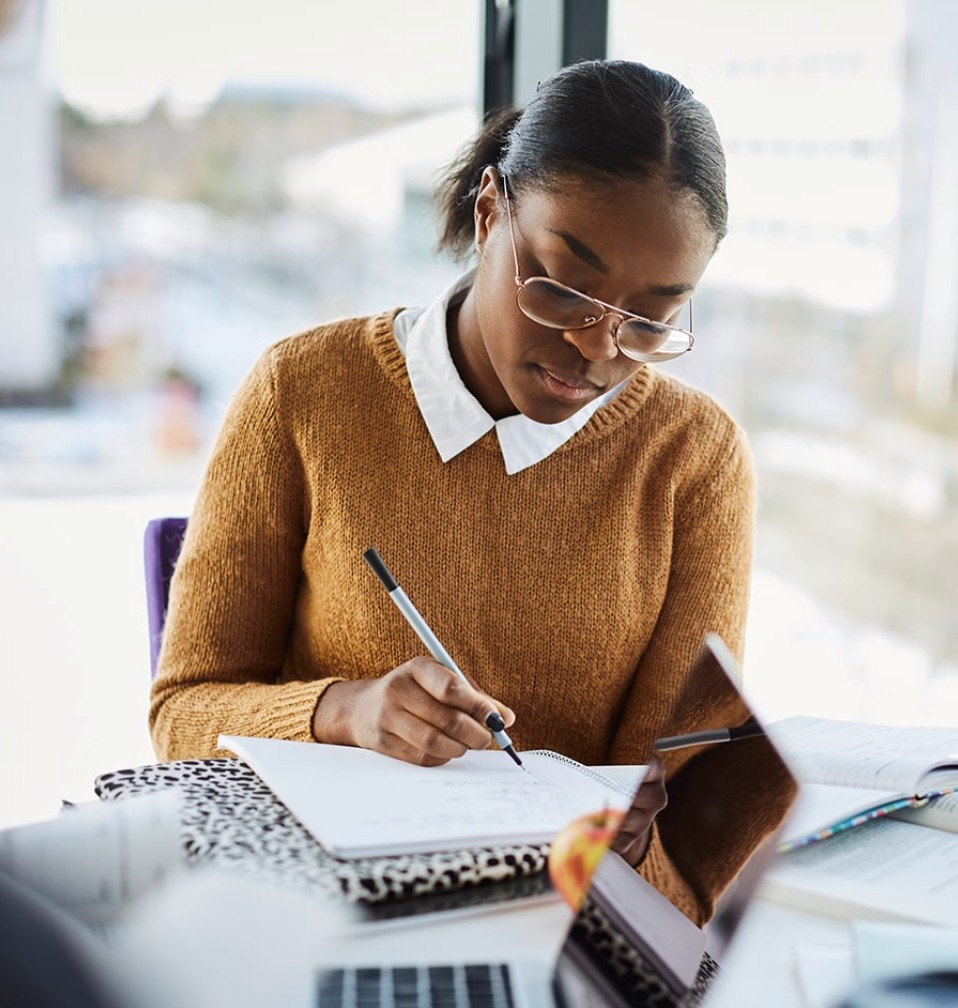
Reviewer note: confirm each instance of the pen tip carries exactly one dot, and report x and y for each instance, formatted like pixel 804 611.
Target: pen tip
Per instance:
pixel 514 755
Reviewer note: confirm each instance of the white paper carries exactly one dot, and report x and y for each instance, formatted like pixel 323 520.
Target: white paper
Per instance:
pixel 95 859
pixel 856 754
pixel 359 803
pixel 940 813
pixel 890 869
pixel 819 806
pixel 825 973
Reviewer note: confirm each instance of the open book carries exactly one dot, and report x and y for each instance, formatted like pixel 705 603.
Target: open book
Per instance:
pixel 358 803
pixel 851 772
pixel 900 781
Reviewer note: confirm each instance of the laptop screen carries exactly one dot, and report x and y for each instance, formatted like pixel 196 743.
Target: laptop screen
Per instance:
pixel 663 927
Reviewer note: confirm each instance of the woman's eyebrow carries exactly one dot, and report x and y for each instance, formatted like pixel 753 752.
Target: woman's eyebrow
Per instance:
pixel 670 290
pixel 590 258
pixel 583 252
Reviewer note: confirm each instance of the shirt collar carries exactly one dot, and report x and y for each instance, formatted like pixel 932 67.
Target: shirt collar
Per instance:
pixel 452 414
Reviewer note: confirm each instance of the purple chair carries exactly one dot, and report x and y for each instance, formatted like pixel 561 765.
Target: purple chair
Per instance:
pixel 161 546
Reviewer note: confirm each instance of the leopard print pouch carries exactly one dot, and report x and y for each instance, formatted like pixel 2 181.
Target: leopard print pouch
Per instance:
pixel 230 818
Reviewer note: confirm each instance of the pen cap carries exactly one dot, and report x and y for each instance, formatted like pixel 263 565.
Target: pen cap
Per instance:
pixel 494 721
pixel 381 571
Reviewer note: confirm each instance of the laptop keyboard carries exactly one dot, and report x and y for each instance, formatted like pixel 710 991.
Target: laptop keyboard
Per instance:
pixel 474 986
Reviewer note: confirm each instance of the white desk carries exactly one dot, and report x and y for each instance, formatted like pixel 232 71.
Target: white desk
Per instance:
pixel 759 968
pixel 533 933
pixel 234 942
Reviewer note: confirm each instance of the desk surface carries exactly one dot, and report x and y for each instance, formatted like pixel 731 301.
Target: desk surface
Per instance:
pixel 227 919
pixel 759 970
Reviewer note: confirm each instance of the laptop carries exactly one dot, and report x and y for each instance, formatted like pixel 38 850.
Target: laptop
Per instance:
pixel 633 942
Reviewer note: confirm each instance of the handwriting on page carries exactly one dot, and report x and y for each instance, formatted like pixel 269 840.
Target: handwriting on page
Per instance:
pixel 359 803
pixel 463 806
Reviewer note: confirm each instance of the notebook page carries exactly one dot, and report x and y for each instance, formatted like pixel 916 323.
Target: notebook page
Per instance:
pixel 358 803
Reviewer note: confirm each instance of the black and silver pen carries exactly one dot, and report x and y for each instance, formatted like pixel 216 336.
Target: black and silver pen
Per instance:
pixel 750 729
pixel 493 720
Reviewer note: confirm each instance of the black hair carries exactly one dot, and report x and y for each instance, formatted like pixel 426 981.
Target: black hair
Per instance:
pixel 612 118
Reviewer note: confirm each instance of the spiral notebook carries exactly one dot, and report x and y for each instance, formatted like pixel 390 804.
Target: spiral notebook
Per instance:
pixel 357 803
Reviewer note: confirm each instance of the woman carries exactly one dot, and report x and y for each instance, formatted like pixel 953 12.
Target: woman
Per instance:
pixel 568 519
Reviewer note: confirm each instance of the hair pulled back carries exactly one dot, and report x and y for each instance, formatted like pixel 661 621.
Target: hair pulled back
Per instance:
pixel 612 118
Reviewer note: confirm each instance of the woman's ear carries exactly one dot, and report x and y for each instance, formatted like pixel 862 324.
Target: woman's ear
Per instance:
pixel 486 206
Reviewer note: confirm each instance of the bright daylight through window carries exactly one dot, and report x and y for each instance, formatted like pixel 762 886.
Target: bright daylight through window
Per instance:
pixel 191 185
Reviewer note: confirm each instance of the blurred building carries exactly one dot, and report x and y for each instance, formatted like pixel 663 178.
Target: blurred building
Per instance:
pixel 840 122
pixel 369 181
pixel 929 252
pixel 29 353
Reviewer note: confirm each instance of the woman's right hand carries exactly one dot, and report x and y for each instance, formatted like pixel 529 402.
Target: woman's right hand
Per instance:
pixel 419 712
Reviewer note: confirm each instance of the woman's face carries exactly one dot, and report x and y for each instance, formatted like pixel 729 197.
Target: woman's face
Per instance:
pixel 632 244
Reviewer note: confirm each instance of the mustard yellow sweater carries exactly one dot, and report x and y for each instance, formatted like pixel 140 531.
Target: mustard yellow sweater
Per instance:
pixel 577 591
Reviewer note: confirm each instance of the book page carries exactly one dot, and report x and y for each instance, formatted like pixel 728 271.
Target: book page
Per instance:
pixel 891 870
pixel 96 859
pixel 857 754
pixel 359 803
pixel 819 807
pixel 940 813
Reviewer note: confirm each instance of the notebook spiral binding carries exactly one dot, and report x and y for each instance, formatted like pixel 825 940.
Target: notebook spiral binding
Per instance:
pixel 626 790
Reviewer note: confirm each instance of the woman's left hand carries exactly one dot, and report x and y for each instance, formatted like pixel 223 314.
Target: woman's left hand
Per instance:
pixel 632 840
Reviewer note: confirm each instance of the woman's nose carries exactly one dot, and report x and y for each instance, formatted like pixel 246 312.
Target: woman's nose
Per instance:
pixel 596 342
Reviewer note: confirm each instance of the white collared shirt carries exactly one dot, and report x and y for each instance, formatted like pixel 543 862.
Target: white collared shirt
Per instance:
pixel 454 417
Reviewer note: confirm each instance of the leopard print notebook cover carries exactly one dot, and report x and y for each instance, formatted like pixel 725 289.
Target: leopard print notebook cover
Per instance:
pixel 230 818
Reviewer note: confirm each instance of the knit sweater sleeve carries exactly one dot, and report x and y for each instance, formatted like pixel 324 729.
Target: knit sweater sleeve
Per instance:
pixel 232 594
pixel 708 590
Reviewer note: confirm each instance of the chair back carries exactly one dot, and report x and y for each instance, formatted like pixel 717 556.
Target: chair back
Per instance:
pixel 161 547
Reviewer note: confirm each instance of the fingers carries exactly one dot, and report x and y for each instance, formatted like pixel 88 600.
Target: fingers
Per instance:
pixel 426 714
pixel 632 840
pixel 489 703
pixel 448 690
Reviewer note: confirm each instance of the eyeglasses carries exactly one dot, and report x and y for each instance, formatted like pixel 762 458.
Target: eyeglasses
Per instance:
pixel 559 307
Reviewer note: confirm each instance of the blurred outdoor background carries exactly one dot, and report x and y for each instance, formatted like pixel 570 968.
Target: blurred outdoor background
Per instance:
pixel 181 184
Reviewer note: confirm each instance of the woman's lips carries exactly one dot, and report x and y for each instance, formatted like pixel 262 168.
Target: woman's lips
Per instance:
pixel 567 386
